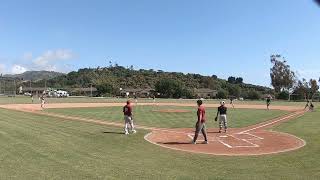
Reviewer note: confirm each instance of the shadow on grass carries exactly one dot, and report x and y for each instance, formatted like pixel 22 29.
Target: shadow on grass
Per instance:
pixel 174 143
pixel 112 132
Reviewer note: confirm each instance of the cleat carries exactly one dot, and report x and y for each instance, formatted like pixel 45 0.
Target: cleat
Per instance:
pixel 134 131
pixel 205 142
pixel 193 142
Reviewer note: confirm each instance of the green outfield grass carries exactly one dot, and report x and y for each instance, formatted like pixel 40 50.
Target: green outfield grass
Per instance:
pixel 40 147
pixel 27 100
pixel 146 115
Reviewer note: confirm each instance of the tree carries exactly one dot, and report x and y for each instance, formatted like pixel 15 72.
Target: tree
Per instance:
pixel 215 77
pixel 222 94
pixel 282 78
pixel 231 79
pixel 239 80
pixel 170 88
pixel 314 87
pixel 234 90
pixel 105 88
pixel 253 95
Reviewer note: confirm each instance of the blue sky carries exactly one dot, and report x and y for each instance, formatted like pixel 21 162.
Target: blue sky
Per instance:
pixel 208 37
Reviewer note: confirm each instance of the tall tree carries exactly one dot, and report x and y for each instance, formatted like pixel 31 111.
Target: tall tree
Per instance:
pixel 282 78
pixel 314 87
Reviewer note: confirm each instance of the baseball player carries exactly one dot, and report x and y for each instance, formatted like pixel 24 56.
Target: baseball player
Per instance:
pixel 307 105
pixel 311 107
pixel 268 101
pixel 128 118
pixel 200 125
pixel 31 98
pixel 222 115
pixel 42 99
pixel 231 101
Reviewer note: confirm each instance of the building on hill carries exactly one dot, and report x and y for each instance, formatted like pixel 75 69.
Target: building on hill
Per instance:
pixel 33 90
pixel 132 92
pixel 205 93
pixel 84 91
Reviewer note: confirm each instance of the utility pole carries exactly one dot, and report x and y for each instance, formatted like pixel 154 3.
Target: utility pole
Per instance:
pixel 91 89
pixel 15 88
pixel 30 87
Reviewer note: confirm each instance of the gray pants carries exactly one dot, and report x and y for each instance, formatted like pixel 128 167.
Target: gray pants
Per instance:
pixel 128 122
pixel 223 121
pixel 200 127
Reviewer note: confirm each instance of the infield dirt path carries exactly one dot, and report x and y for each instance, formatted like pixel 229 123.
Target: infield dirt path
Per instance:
pixel 252 140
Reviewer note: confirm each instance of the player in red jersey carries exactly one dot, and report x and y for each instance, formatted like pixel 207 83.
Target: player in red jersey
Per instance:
pixel 200 125
pixel 128 118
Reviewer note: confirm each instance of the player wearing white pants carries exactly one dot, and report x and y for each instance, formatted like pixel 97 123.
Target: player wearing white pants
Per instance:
pixel 128 122
pixel 127 112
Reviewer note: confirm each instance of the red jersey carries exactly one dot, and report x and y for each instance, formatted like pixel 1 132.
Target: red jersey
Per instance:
pixel 127 110
pixel 201 113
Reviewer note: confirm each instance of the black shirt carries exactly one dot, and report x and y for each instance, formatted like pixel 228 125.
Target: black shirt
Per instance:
pixel 222 110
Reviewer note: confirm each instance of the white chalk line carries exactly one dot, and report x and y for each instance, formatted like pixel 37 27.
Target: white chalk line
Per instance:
pixel 273 122
pixel 245 140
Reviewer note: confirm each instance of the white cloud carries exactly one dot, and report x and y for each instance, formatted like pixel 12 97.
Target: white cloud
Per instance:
pixel 50 60
pixel 2 68
pixel 18 69
pixel 51 57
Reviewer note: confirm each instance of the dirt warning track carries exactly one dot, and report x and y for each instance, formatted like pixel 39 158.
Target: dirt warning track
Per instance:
pixel 252 140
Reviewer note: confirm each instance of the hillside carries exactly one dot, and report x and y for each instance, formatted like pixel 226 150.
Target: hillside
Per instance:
pixel 35 75
pixel 108 81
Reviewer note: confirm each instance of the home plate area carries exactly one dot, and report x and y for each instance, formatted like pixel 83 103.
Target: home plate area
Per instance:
pixel 234 142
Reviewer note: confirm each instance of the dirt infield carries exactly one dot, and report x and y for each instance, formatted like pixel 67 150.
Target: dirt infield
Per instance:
pixel 253 140
pixel 171 111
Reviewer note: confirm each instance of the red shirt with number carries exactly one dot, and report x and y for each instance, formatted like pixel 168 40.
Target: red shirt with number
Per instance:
pixel 201 113
pixel 127 110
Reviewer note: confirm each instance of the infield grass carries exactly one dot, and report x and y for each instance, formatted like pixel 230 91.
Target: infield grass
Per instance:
pixel 41 147
pixel 151 117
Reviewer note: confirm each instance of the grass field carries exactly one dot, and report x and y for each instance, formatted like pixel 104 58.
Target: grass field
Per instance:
pixel 40 147
pixel 25 99
pixel 145 115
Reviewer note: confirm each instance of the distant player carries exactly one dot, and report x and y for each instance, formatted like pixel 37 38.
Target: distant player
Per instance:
pixel 307 105
pixel 128 118
pixel 231 101
pixel 268 101
pixel 311 107
pixel 43 101
pixel 222 116
pixel 31 98
pixel 136 99
pixel 200 125
pixel 154 99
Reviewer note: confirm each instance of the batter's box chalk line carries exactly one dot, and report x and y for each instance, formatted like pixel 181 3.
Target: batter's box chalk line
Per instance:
pixel 223 142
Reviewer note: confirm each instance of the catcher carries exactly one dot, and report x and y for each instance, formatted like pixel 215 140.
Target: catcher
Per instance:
pixel 222 115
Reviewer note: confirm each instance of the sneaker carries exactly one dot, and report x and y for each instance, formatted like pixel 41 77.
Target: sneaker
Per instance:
pixel 126 133
pixel 205 142
pixel 134 131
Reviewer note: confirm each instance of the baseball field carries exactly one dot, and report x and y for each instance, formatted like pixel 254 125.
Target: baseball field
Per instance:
pixel 82 138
